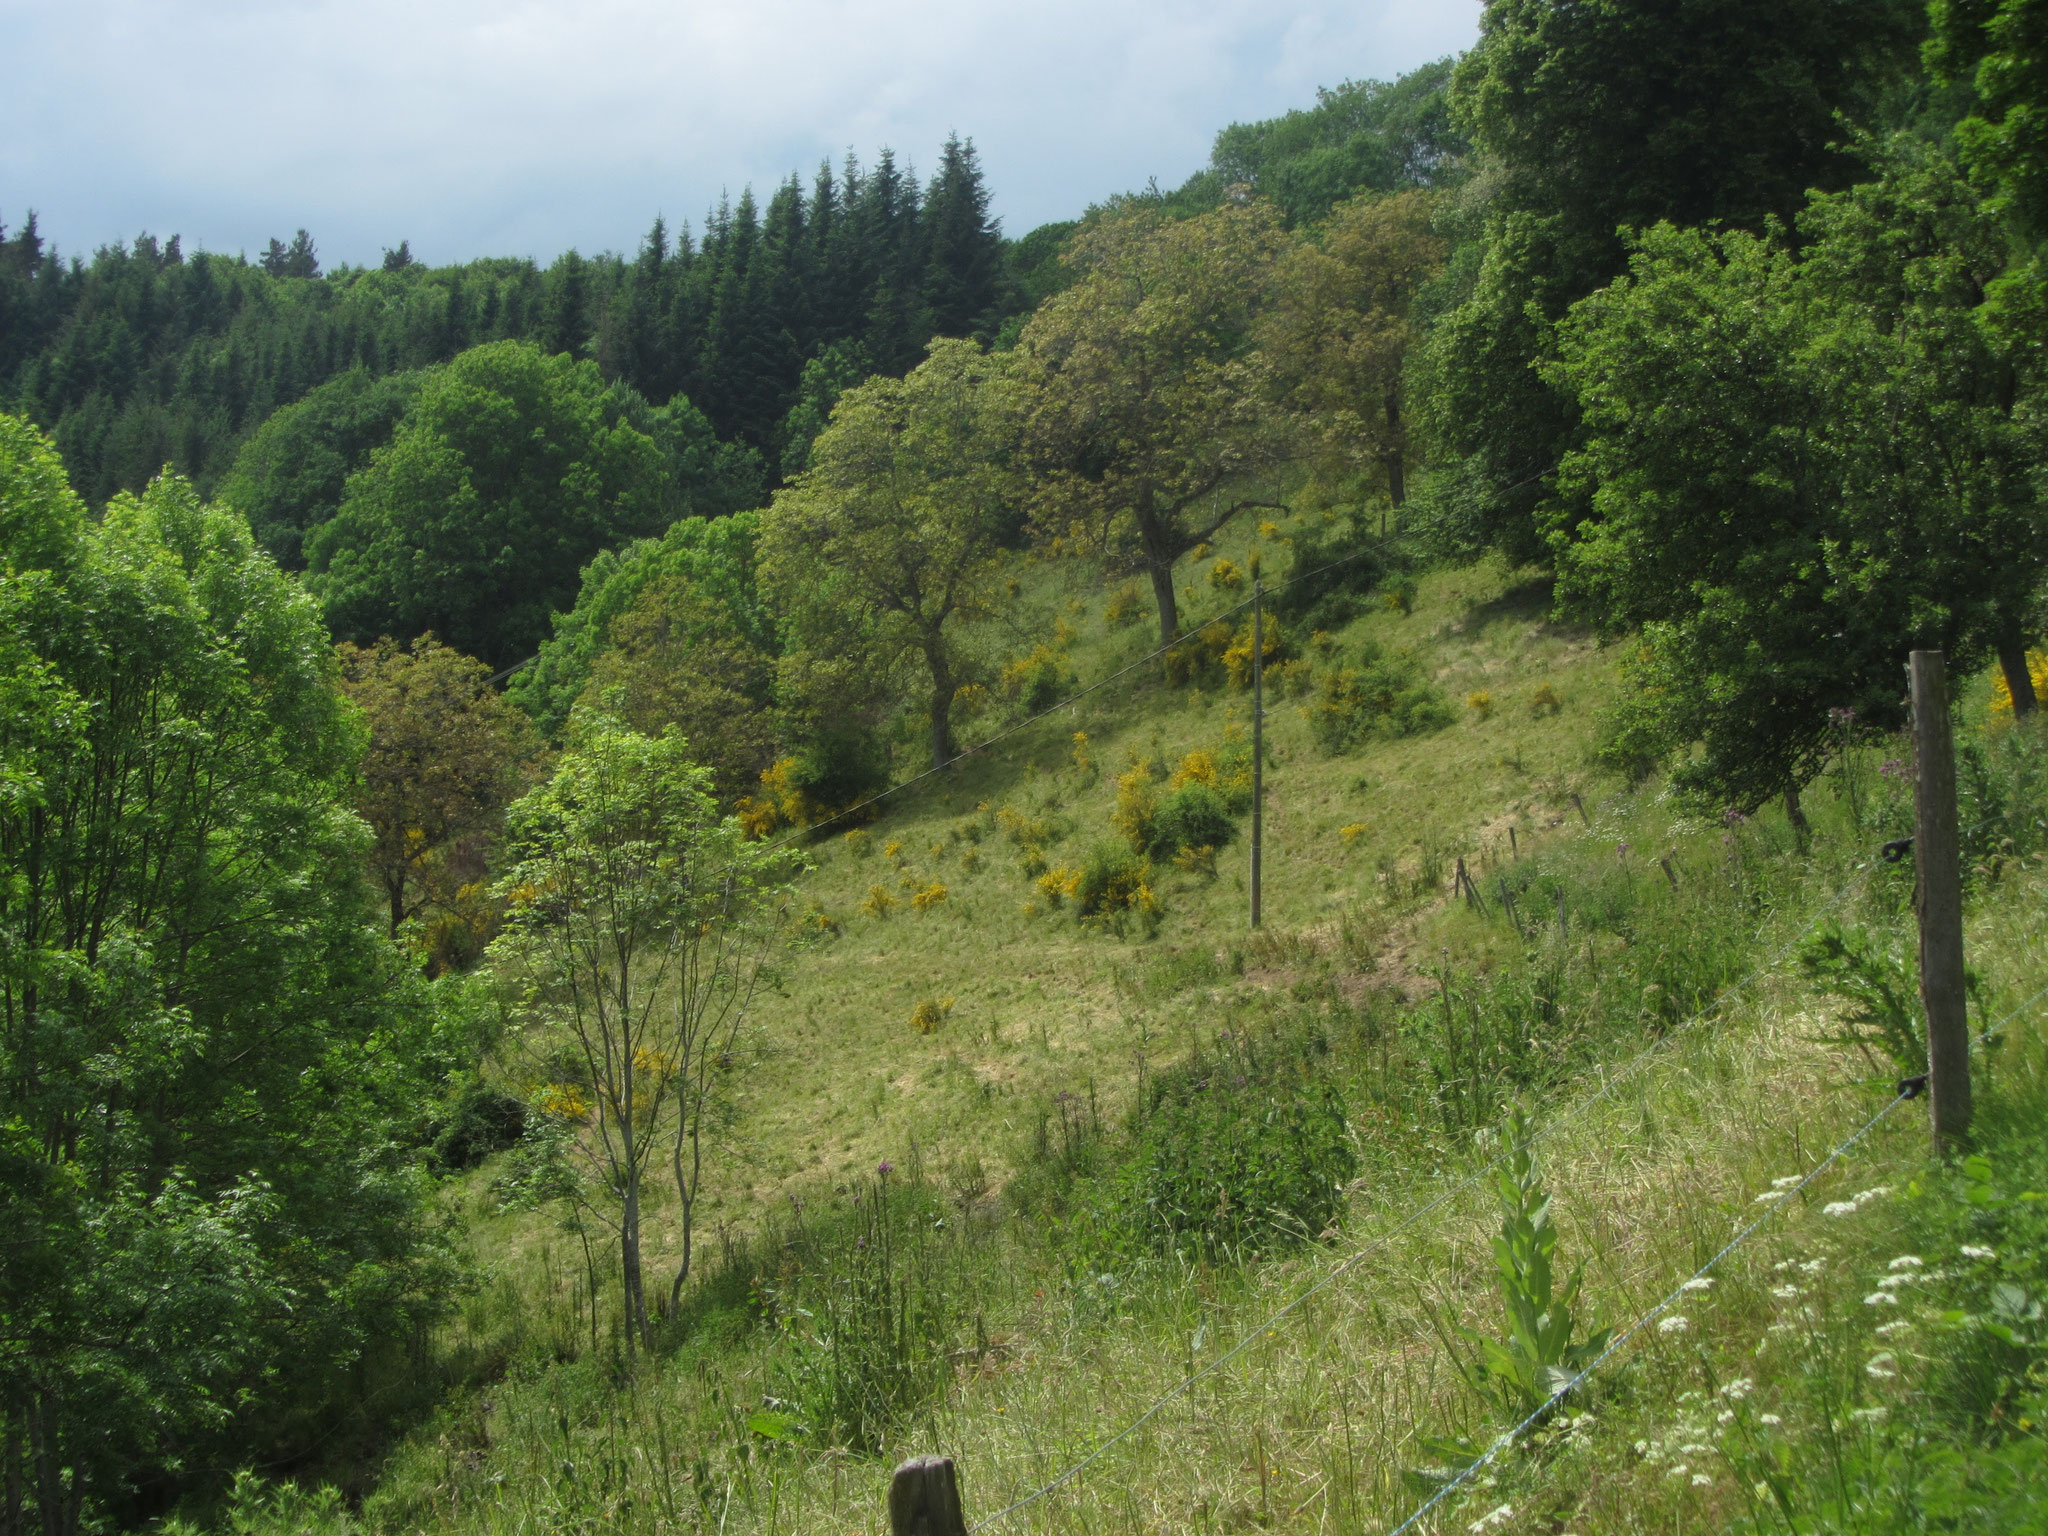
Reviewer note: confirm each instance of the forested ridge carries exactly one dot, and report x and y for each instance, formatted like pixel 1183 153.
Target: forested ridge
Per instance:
pixel 621 886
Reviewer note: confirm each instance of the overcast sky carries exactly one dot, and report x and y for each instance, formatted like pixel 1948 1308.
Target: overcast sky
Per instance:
pixel 523 127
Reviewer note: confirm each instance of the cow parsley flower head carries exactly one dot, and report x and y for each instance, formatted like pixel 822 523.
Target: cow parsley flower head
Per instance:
pixel 1673 1325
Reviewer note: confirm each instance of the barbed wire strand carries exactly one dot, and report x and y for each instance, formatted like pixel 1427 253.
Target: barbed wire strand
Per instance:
pixel 1514 1435
pixel 1636 1327
pixel 1612 1081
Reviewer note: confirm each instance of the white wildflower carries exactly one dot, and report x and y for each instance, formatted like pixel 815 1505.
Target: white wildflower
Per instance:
pixel 1784 1264
pixel 1875 1192
pixel 1673 1325
pixel 1701 1480
pixel 1694 1450
pixel 1771 1419
pixel 1978 1251
pixel 1813 1266
pixel 1880 1367
pixel 1698 1283
pixel 1499 1515
pixel 1767 1197
pixel 1880 1299
pixel 1738 1389
pixel 1870 1415
pixel 1787 1292
pixel 1886 1330
pixel 1839 1208
pixel 1906 1261
pixel 1893 1282
pixel 1788 1181
pixel 1678 1471
pixel 1725 1416
pixel 1642 1447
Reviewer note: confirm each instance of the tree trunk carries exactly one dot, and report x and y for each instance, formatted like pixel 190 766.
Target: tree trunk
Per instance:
pixel 1802 829
pixel 1397 470
pixel 1162 594
pixel 1154 543
pixel 686 1200
pixel 2019 682
pixel 942 702
pixel 396 892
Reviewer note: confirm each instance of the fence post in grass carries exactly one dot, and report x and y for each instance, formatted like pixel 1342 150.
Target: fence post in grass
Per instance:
pixel 924 1499
pixel 1258 737
pixel 1937 857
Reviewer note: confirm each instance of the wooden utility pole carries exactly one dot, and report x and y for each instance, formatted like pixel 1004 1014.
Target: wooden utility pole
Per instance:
pixel 924 1499
pixel 1937 860
pixel 1258 737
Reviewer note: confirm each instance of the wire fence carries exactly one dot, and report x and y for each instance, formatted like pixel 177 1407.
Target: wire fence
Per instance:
pixel 1549 1405
pixel 1610 1082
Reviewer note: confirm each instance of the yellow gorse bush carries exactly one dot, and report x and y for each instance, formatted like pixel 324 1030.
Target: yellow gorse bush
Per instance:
pixel 928 1015
pixel 929 897
pixel 564 1101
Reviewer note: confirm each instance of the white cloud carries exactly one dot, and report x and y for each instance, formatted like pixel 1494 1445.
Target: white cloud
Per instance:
pixel 476 127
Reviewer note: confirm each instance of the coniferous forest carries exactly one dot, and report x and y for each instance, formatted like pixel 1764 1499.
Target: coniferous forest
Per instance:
pixel 1250 860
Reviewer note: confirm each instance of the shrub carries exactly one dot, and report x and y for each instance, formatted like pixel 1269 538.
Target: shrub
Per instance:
pixel 869 1323
pixel 929 897
pixel 1480 702
pixel 1381 698
pixel 879 902
pixel 928 1015
pixel 1544 701
pixel 1126 606
pixel 1136 805
pixel 1244 1149
pixel 1038 681
pixel 1192 816
pixel 481 1120
pixel 1881 987
pixel 1321 593
pixel 1115 880
pixel 1225 576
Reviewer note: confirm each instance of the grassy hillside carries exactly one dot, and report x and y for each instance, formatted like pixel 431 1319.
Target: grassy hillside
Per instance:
pixel 997 1293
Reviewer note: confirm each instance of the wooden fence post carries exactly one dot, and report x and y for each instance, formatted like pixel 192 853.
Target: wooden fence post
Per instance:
pixel 924 1499
pixel 1937 857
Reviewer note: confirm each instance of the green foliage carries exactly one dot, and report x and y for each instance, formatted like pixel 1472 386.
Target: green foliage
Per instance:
pixel 142 356
pixel 713 554
pixel 1361 136
pixel 509 471
pixel 870 1324
pixel 1598 117
pixel 1757 418
pixel 1244 1150
pixel 638 923
pixel 886 546
pixel 217 1250
pixel 1882 988
pixel 1543 1351
pixel 1193 816
pixel 481 1120
pixel 1382 698
pixel 289 476
pixel 1116 881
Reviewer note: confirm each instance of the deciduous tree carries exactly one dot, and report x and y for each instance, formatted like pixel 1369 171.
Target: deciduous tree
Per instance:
pixel 886 546
pixel 447 755
pixel 639 922
pixel 1150 414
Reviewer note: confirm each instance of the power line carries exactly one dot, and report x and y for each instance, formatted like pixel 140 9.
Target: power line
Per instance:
pixel 1413 1218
